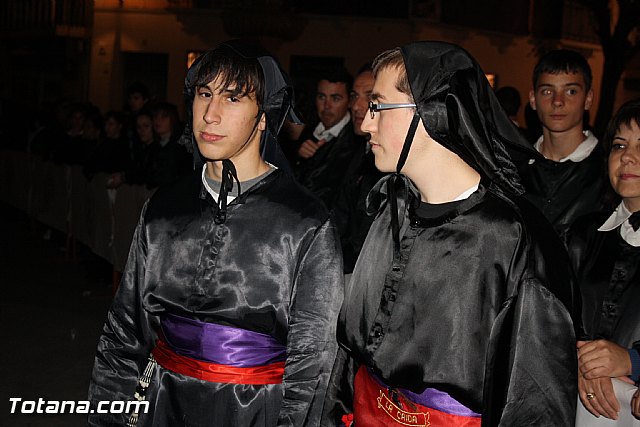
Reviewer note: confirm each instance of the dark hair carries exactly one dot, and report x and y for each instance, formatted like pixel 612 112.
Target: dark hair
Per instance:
pixel 563 61
pixel 338 75
pixel 138 87
pixel 628 113
pixel 366 67
pixel 509 99
pixel 392 58
pixel 233 69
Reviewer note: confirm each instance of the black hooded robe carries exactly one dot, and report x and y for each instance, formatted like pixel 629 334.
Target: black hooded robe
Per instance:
pixel 478 301
pixel 269 262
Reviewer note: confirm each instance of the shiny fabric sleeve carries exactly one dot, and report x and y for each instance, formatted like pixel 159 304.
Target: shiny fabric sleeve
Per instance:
pixel 532 364
pixel 127 338
pixel 311 347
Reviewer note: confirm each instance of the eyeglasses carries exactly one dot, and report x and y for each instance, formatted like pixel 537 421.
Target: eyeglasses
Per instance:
pixel 374 107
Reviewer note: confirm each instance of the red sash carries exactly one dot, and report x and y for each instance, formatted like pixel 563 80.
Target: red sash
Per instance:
pixel 373 406
pixel 213 372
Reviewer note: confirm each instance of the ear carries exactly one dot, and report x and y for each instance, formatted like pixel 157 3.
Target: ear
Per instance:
pixel 532 99
pixel 263 122
pixel 589 99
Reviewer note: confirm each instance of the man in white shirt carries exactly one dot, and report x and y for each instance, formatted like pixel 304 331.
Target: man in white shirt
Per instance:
pixel 569 181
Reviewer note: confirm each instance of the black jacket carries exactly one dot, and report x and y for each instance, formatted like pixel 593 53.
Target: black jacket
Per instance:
pixel 564 191
pixel 323 173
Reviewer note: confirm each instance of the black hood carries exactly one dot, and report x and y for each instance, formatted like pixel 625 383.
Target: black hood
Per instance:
pixel 459 110
pixel 277 101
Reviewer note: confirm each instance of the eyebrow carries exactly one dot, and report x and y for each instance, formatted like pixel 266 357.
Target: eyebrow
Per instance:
pixel 376 96
pixel 545 85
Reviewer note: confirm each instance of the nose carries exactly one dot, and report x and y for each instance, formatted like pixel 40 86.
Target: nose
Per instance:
pixel 558 99
pixel 211 113
pixel 369 125
pixel 360 104
pixel 629 156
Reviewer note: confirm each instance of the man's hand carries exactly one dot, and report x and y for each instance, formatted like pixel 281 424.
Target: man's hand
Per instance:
pixel 598 397
pixel 308 148
pixel 602 358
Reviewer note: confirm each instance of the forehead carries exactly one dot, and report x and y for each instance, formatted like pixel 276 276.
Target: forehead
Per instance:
pixel 561 79
pixel 329 88
pixel 631 127
pixel 364 82
pixel 385 84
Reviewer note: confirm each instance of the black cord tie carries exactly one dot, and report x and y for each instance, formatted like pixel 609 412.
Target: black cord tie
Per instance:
pixel 392 183
pixel 229 175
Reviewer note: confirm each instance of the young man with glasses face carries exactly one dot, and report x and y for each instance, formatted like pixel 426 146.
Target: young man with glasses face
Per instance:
pixel 458 312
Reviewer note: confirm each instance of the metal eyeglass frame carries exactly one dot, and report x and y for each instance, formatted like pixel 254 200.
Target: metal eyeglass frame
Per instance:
pixel 375 107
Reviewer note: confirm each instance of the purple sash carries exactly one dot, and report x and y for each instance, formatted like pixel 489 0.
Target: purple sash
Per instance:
pixel 220 344
pixel 434 399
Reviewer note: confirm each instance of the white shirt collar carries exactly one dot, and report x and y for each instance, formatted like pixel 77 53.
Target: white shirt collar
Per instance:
pixel 620 218
pixel 328 134
pixel 465 194
pixel 581 152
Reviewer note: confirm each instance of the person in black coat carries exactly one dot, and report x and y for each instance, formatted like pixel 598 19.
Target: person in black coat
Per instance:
pixel 569 179
pixel 605 252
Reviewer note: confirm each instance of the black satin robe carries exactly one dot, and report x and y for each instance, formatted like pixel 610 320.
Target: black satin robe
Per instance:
pixel 608 272
pixel 478 306
pixel 273 266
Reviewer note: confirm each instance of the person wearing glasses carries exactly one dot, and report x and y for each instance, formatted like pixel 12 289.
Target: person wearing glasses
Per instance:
pixel 327 149
pixel 459 310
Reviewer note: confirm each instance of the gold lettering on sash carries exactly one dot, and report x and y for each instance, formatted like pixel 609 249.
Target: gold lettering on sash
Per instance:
pixel 413 419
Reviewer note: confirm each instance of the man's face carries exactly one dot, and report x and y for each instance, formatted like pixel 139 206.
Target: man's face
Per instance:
pixel 560 100
pixel 224 125
pixel 136 101
pixel 112 128
pixel 360 97
pixel 388 128
pixel 624 165
pixel 332 102
pixel 144 129
pixel 162 124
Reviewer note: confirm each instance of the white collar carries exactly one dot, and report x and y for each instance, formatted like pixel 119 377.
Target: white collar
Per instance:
pixel 581 152
pixel 328 134
pixel 466 193
pixel 620 218
pixel 210 190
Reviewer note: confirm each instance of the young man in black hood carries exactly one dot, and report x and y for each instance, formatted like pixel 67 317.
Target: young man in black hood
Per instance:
pixel 227 308
pixel 459 309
